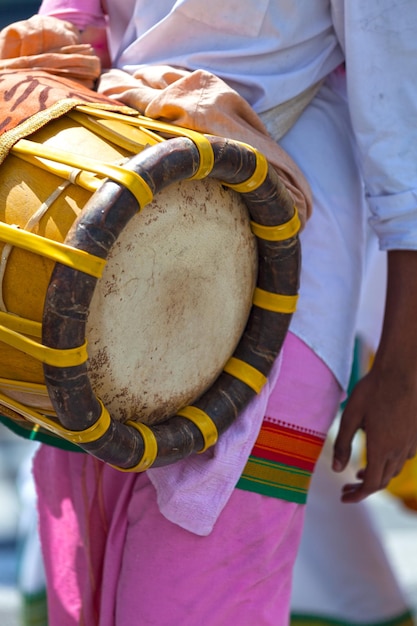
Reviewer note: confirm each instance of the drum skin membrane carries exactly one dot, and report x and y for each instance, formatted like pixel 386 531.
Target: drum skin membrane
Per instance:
pixel 173 301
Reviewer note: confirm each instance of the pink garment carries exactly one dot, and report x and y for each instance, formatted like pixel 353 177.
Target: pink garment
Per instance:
pixel 88 13
pixel 112 558
pixel 193 492
pixel 301 391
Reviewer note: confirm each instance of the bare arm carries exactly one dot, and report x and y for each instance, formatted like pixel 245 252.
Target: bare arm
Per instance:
pixel 384 403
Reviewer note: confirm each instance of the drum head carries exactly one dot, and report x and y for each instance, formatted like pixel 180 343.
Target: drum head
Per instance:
pixel 173 301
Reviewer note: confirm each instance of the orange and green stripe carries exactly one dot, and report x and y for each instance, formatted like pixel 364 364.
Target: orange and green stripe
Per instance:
pixel 282 462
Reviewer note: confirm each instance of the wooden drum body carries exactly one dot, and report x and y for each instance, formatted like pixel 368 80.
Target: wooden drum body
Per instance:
pixel 144 298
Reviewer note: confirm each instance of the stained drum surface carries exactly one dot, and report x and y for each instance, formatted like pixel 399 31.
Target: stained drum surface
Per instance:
pixel 173 301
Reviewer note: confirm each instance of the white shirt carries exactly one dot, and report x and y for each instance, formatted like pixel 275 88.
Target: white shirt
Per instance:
pixel 267 50
pixel 271 50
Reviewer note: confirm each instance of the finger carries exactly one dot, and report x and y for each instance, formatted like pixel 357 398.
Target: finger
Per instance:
pixel 375 477
pixel 360 475
pixel 351 492
pixel 412 453
pixel 342 447
pixel 391 470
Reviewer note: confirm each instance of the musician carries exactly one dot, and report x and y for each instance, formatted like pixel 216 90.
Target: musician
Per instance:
pixel 182 545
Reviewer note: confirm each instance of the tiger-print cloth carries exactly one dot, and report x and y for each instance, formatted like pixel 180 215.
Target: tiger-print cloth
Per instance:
pixel 31 99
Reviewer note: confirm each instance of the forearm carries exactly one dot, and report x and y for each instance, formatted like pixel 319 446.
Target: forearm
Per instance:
pixel 397 351
pixel 384 402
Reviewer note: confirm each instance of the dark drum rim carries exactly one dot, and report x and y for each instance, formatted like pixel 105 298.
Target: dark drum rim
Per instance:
pixel 133 447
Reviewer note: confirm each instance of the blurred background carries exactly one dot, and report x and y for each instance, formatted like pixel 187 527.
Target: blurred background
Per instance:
pixel 12 11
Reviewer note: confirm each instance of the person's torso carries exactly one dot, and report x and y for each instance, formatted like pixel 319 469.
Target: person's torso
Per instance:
pixel 268 50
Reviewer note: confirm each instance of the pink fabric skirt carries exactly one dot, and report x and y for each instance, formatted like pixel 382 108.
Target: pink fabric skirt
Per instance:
pixel 112 559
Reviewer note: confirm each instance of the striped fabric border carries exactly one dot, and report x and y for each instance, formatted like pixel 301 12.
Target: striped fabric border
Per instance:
pixel 282 462
pixel 28 431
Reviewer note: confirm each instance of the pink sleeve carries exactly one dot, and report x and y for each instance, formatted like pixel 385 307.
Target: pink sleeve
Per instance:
pixel 82 13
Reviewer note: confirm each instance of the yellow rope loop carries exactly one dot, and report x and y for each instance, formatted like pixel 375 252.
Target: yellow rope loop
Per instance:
pixel 205 151
pixel 51 356
pixel 93 432
pixel 129 179
pixel 88 435
pixel 134 120
pixel 278 233
pixel 204 423
pixel 38 389
pixel 276 302
pixel 150 451
pixel 258 177
pixel 21 324
pixel 201 142
pixel 54 250
pixel 73 175
pixel 115 131
pixel 247 374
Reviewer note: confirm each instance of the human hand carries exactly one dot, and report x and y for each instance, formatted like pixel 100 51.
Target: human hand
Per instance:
pixel 384 402
pixel 384 405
